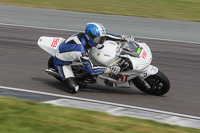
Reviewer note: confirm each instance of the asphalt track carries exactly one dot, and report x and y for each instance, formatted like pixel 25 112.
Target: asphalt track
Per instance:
pixel 23 65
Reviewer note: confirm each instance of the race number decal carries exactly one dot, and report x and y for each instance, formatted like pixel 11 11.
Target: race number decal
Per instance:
pixel 144 54
pixel 55 42
pixel 123 78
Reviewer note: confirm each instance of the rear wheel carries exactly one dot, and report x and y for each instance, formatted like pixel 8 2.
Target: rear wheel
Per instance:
pixel 51 62
pixel 159 84
pixel 51 65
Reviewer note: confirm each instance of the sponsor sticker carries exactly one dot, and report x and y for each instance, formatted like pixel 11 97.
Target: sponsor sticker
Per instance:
pixel 139 50
pixel 107 55
pixel 144 74
pixel 137 67
pixel 144 55
pixel 123 78
pixel 154 69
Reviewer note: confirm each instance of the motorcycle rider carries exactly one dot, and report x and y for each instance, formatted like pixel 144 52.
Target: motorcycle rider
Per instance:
pixel 77 47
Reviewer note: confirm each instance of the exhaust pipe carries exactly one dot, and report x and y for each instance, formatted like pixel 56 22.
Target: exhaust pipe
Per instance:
pixel 52 72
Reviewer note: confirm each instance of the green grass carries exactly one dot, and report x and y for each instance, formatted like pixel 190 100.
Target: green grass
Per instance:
pixel 164 9
pixel 22 116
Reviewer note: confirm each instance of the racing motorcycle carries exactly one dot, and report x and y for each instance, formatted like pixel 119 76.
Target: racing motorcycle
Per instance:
pixel 134 59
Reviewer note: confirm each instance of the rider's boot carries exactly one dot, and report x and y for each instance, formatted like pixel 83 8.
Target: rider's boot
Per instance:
pixel 71 85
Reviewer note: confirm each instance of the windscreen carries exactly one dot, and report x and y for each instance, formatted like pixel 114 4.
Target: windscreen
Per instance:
pixel 132 48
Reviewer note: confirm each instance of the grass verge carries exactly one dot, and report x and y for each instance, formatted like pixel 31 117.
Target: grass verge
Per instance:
pixel 164 9
pixel 22 116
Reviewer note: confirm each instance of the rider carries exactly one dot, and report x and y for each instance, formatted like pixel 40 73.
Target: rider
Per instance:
pixel 77 47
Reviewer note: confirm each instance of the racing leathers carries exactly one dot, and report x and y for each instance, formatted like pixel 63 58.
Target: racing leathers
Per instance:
pixel 73 48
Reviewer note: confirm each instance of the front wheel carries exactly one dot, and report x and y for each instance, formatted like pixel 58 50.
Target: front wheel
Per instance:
pixel 159 84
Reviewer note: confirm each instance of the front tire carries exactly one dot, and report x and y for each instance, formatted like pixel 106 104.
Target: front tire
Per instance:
pixel 159 84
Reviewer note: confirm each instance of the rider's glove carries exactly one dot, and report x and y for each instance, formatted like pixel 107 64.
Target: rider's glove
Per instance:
pixel 128 37
pixel 115 69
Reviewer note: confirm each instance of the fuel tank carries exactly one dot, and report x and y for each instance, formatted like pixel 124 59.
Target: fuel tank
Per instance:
pixel 107 54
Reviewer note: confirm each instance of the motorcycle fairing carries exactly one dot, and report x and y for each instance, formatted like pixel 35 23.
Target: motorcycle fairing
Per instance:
pixel 50 44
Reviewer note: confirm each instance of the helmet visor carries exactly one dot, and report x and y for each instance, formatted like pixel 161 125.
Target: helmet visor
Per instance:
pixel 99 39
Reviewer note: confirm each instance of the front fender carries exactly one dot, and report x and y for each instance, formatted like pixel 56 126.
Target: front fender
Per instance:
pixel 151 70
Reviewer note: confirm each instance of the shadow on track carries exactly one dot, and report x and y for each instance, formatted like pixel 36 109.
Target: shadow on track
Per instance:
pixel 51 83
pixel 90 88
pixel 111 90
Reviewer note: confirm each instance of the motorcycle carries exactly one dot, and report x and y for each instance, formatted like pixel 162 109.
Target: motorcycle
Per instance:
pixel 134 59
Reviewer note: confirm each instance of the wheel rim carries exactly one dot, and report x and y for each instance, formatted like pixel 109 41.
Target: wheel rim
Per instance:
pixel 155 84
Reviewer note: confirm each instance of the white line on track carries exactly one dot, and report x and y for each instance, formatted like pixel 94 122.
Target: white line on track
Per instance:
pixel 38 27
pixel 101 102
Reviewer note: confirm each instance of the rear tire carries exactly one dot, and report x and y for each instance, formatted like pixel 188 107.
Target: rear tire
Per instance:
pixel 51 62
pixel 51 65
pixel 159 84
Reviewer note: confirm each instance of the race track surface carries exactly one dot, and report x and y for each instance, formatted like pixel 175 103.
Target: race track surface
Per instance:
pixel 23 65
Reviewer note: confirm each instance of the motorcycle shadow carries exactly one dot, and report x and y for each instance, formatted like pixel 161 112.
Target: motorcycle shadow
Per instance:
pixel 54 84
pixel 111 90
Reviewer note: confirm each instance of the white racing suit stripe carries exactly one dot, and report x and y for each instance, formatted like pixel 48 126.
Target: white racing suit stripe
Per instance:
pixel 65 72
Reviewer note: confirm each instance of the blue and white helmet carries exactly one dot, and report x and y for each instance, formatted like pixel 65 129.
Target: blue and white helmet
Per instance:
pixel 95 34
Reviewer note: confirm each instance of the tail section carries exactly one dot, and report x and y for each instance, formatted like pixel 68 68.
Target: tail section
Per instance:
pixel 49 44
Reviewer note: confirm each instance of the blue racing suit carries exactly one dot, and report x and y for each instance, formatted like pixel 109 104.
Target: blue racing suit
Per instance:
pixel 73 48
pixel 77 47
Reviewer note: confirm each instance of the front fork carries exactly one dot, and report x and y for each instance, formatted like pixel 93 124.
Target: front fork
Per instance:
pixel 145 82
pixel 151 70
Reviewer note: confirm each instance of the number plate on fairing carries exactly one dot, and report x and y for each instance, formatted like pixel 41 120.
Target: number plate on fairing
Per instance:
pixel 50 44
